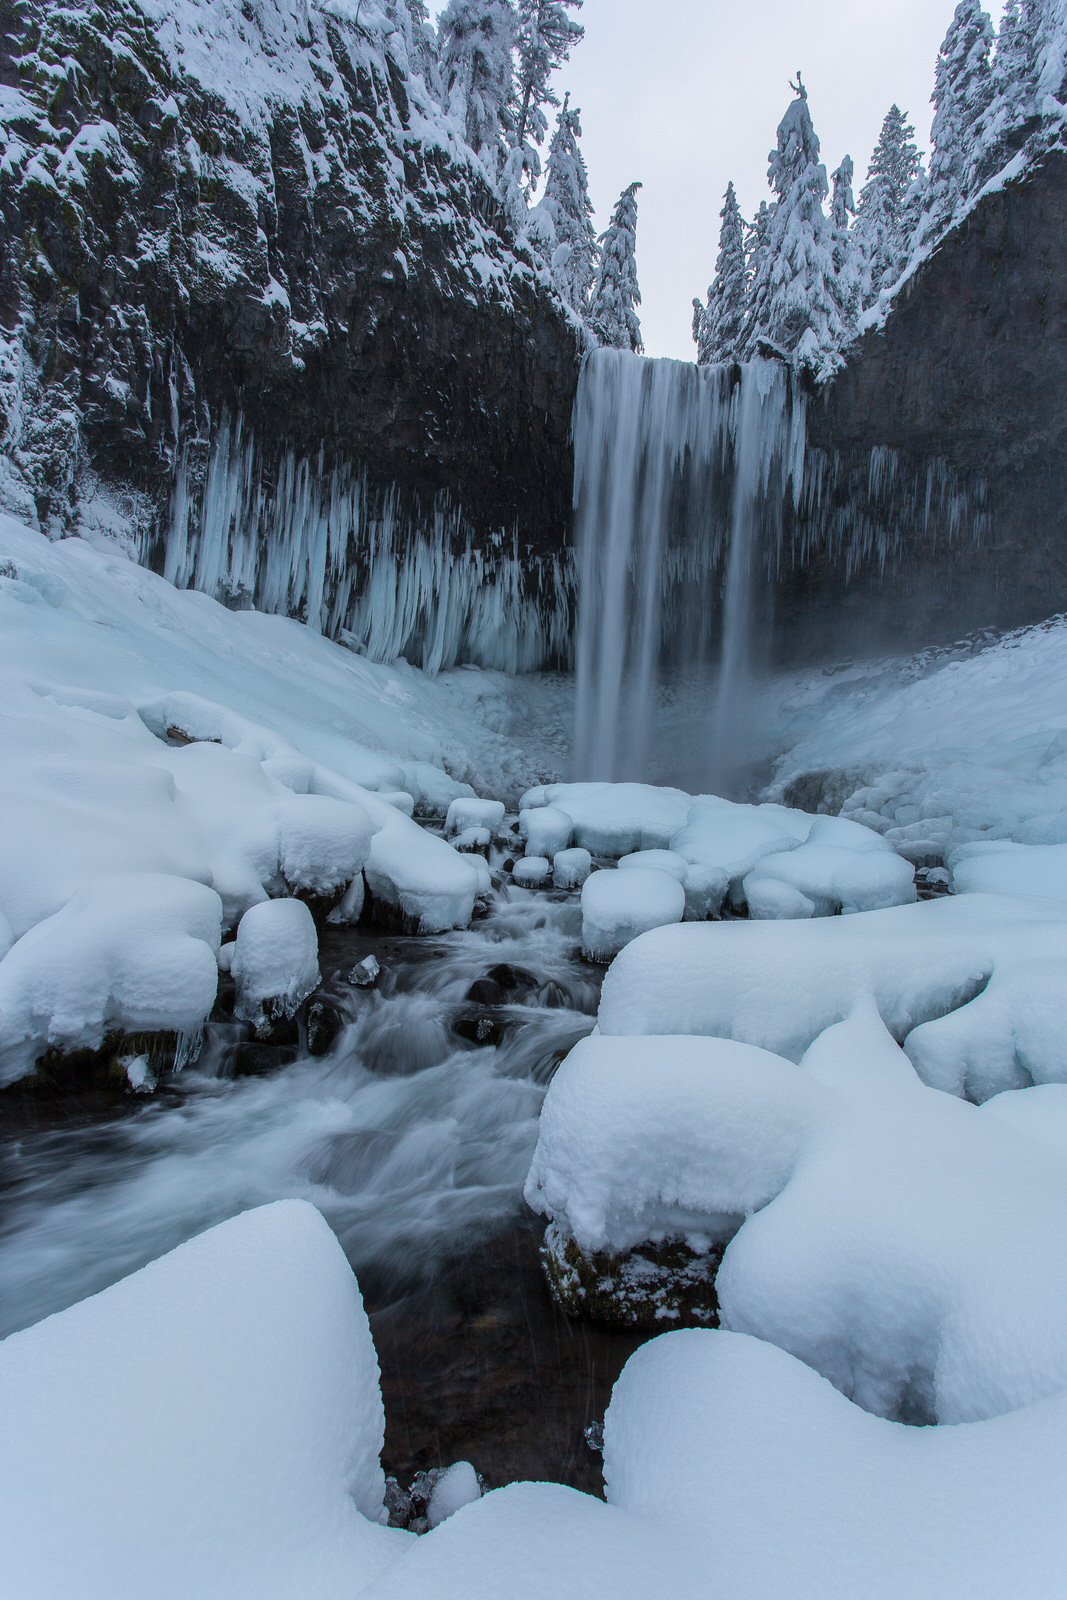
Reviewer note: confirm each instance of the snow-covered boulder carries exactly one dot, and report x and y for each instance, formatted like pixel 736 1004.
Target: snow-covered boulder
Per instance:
pixel 571 868
pixel 956 980
pixel 133 953
pixel 532 872
pixel 664 860
pixel 210 1426
pixel 840 867
pixel 904 1243
pixel 465 814
pixel 615 819
pixel 618 906
pixel 275 961
pixel 546 830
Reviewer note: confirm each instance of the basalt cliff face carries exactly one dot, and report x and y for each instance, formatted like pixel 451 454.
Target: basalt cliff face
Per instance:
pixel 937 461
pixel 259 317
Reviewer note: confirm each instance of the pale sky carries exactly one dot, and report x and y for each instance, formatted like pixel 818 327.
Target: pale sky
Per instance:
pixel 687 94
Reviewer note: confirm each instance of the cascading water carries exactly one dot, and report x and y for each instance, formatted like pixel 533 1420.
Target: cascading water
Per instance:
pixel 681 480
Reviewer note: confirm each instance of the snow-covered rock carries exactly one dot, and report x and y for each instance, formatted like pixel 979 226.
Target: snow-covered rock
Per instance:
pixel 971 985
pixel 275 962
pixel 209 1426
pixel 614 819
pixel 131 953
pixel 546 829
pixel 571 868
pixel 618 906
pixel 454 1489
pixel 904 1243
pixel 1001 867
pixel 532 872
pixel 466 814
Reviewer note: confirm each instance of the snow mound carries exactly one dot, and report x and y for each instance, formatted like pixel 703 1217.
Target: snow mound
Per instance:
pixel 664 860
pixel 135 952
pixel 618 906
pixel 904 1243
pixel 457 1488
pixel 571 868
pixel 970 985
pixel 275 961
pixel 801 1493
pixel 209 1426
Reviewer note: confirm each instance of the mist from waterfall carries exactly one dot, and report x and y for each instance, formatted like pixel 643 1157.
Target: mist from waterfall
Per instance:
pixel 681 479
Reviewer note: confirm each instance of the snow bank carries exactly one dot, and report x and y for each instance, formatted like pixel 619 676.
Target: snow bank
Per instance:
pixel 618 906
pixel 135 952
pixel 780 984
pixel 209 1426
pixel 798 1492
pixel 275 961
pixel 1004 868
pixel 902 1242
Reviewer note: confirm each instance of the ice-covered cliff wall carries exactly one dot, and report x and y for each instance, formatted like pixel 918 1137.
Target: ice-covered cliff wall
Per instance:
pixel 213 210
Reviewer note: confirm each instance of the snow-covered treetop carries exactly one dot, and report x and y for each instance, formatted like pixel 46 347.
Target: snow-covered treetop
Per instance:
pixel 719 329
pixel 616 295
pixel 561 226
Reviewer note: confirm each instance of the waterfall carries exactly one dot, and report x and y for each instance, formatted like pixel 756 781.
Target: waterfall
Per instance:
pixel 681 479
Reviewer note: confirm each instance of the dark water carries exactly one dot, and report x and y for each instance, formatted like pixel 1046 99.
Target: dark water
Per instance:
pixel 413 1139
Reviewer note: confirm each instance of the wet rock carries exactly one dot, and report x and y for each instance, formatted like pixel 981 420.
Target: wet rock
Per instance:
pixel 365 974
pixel 485 992
pixel 480 1029
pixel 126 1063
pixel 512 981
pixel 325 1024
pixel 255 1059
pixel 653 1287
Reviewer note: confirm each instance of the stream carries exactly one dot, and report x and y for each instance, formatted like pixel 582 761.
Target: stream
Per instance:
pixel 411 1137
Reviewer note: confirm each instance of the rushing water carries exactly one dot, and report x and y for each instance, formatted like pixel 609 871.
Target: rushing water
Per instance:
pixel 413 1141
pixel 681 479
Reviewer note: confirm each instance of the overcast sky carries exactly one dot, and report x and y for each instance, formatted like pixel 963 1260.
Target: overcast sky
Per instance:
pixel 687 94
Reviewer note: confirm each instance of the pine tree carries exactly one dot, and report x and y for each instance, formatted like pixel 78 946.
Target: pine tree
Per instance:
pixel 616 296
pixel 476 41
pixel 1046 23
pixel 561 226
pixel 881 223
pixel 795 306
pixel 757 233
pixel 962 97
pixel 721 331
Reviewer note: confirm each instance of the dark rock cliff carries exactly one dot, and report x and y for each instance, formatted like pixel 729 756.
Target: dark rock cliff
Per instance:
pixel 939 456
pixel 217 210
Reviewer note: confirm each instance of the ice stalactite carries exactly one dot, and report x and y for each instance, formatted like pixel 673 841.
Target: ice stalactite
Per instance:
pixel 313 540
pixel 682 477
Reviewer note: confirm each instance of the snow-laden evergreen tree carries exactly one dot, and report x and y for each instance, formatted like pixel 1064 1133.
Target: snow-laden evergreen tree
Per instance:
pixel 720 334
pixel 795 306
pixel 476 41
pixel 757 233
pixel 1046 24
pixel 616 295
pixel 881 221
pixel 561 224
pixel 420 40
pixel 848 263
pixel 962 97
pixel 547 35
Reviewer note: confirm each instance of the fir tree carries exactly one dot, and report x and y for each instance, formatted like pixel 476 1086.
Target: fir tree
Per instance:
pixel 846 254
pixel 881 223
pixel 962 97
pixel 616 296
pixel 476 41
pixel 757 233
pixel 795 305
pixel 547 35
pixel 561 226
pixel 721 331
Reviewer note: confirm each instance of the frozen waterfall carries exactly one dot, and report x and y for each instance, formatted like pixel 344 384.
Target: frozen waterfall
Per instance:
pixel 681 479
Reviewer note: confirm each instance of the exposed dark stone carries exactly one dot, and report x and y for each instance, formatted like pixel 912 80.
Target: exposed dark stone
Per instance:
pixel 480 1028
pixel 325 1024
pixel 653 1287
pixel 485 992
pixel 968 380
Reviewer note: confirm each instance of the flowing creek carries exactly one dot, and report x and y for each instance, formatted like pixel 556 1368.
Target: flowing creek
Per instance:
pixel 411 1137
